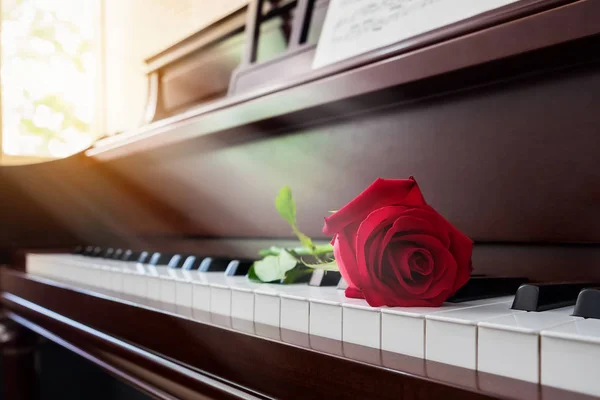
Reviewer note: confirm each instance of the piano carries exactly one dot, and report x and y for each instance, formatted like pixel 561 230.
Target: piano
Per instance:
pixel 134 253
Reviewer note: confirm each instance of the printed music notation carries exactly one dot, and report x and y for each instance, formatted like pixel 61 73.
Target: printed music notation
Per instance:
pixel 374 16
pixel 353 27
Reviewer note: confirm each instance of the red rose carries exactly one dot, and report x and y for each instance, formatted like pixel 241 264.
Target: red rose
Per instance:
pixel 395 250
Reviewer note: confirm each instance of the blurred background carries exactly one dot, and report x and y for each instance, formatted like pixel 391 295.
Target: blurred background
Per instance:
pixel 73 70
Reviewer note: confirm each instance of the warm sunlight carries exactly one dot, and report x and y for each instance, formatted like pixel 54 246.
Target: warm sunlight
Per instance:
pixel 48 76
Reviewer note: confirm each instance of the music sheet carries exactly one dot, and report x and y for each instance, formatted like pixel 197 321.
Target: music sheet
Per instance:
pixel 353 27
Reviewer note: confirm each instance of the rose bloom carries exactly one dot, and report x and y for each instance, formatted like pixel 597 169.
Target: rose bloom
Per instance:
pixel 395 250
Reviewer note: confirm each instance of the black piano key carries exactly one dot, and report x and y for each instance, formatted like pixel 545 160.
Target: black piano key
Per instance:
pixel 127 255
pixel 192 263
pixel 79 250
pixel 108 253
pixel 176 261
pixel 214 264
pixel 485 287
pixel 548 296
pixel 117 254
pixel 143 257
pixel 97 252
pixel 320 277
pixel 88 250
pixel 588 303
pixel 238 267
pixel 130 255
pixel 159 258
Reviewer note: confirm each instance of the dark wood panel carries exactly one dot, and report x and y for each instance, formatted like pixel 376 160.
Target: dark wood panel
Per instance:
pixel 509 162
pixel 107 353
pixel 18 347
pixel 515 161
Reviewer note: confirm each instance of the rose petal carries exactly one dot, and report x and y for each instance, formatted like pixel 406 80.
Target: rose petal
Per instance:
pixel 421 262
pixel 418 220
pixel 344 256
pixel 397 257
pixel 374 252
pixel 411 288
pixel 381 193
pixel 444 275
pixel 461 247
pixel 353 293
pixel 444 270
pixel 374 222
pixel 379 294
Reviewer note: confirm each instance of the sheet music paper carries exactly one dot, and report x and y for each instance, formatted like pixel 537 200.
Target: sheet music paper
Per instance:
pixel 353 27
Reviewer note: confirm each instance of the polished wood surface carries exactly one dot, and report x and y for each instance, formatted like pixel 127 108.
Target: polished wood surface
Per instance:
pixel 496 117
pixel 18 347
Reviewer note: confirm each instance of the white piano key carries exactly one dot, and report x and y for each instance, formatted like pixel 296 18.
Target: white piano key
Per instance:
pixel 201 290
pixel 324 307
pixel 294 313
pixel 295 308
pixel 510 345
pixel 116 283
pixel 34 265
pixel 94 276
pixel 201 295
pixel 267 305
pixel 361 323
pixel 326 319
pixel 152 287
pixel 326 314
pixel 183 292
pixel 569 356
pixel 167 290
pixel 128 282
pixel 220 299
pixel 451 336
pixel 277 305
pixel 403 328
pixel 140 284
pixel 242 297
pixel 242 303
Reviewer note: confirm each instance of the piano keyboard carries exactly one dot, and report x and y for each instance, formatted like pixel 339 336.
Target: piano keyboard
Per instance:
pixel 493 334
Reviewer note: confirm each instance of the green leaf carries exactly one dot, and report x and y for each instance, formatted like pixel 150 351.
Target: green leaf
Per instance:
pixel 252 275
pixel 271 251
pixel 328 266
pixel 323 249
pixel 305 240
pixel 274 268
pixel 296 274
pixel 267 269
pixel 287 261
pixel 284 203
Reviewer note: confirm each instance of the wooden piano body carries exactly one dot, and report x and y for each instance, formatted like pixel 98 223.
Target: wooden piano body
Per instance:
pixel 497 117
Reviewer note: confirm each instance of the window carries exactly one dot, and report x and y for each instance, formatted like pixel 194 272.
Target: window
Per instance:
pixel 49 70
